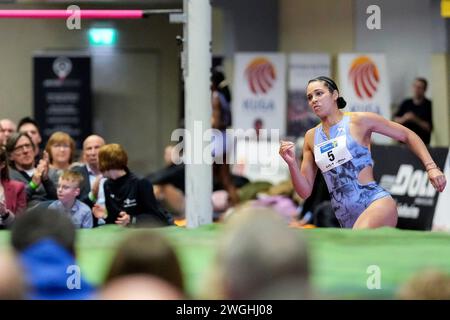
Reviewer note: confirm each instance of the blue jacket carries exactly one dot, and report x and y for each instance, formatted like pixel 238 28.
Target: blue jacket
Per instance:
pixel 52 273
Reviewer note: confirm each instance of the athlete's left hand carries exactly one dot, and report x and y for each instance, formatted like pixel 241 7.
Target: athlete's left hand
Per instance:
pixel 437 179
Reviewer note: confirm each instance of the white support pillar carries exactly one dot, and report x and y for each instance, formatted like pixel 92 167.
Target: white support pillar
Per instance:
pixel 197 64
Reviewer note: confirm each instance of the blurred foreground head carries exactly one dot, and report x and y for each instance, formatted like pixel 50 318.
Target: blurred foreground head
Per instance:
pixel 44 240
pixel 147 252
pixel 41 223
pixel 139 287
pixel 262 258
pixel 12 285
pixel 428 284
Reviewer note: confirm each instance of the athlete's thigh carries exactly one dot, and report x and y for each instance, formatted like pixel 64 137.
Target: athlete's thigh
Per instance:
pixel 380 213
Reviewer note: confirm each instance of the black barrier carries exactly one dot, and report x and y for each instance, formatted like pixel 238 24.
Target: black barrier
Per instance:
pixel 401 173
pixel 62 95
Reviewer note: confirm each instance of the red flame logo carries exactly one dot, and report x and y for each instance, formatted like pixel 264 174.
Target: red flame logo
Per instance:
pixel 365 77
pixel 261 75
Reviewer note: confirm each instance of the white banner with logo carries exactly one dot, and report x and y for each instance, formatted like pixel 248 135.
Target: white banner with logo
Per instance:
pixel 364 84
pixel 302 68
pixel 259 91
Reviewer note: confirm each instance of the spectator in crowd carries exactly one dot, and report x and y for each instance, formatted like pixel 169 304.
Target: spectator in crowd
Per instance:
pixel 67 203
pixel 127 197
pixel 258 125
pixel 61 152
pixel 31 127
pixel 416 113
pixel 147 252
pixel 139 287
pixel 169 182
pixel 2 137
pixel 12 284
pixel 45 242
pixel 221 120
pixel 91 189
pixel 13 198
pixel 21 154
pixel 8 127
pixel 260 257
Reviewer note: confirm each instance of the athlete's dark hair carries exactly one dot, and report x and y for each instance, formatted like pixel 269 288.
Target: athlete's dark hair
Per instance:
pixel 331 85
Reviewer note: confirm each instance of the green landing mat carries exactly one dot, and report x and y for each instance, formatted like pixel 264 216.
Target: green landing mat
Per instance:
pixel 341 259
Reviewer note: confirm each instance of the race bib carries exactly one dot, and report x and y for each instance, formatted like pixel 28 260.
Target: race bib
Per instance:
pixel 332 153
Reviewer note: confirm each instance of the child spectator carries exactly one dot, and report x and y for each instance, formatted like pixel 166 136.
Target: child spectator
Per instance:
pixel 67 191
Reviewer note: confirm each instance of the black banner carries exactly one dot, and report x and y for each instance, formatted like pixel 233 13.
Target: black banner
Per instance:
pixel 62 95
pixel 401 173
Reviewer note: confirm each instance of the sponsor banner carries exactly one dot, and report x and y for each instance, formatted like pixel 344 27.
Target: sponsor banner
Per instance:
pixel 401 173
pixel 442 215
pixel 259 91
pixel 62 95
pixel 363 82
pixel 302 68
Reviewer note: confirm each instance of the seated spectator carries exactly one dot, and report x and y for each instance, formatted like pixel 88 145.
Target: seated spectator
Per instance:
pixel 172 173
pixel 169 182
pixel 92 186
pixel 29 126
pixel 39 187
pixel 61 151
pixel 91 189
pixel 139 287
pixel 67 203
pixel 127 197
pixel 8 127
pixel 13 199
pixel 45 242
pixel 2 137
pixel 147 252
pixel 260 257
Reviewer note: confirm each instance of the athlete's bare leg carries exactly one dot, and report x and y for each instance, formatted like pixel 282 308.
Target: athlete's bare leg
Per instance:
pixel 380 213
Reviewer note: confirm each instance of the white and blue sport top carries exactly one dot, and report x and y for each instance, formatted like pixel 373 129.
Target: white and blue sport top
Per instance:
pixel 339 157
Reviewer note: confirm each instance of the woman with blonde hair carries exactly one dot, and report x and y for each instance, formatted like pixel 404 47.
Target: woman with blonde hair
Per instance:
pixel 61 151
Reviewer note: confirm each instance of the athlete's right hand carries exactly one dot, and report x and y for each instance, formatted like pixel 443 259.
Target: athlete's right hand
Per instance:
pixel 287 152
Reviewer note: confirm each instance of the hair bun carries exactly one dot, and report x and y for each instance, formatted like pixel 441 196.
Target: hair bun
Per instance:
pixel 341 103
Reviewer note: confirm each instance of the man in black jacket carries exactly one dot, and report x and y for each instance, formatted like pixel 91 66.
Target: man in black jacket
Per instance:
pixel 128 199
pixel 416 113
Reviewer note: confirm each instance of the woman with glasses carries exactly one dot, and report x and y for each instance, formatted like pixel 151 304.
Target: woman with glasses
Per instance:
pixel 61 150
pixel 21 152
pixel 13 198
